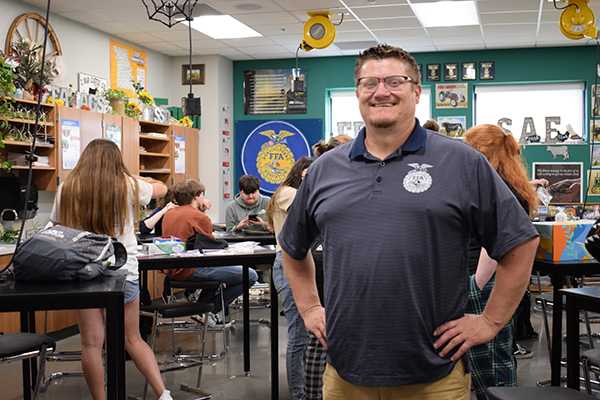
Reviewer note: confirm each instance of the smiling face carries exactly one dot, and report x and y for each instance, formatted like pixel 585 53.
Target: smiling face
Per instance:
pixel 384 109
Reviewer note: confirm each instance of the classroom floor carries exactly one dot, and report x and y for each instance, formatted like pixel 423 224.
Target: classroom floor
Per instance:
pixel 225 378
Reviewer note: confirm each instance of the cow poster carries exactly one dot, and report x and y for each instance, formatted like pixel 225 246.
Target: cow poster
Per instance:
pixel 564 181
pixel 452 95
pixel 453 126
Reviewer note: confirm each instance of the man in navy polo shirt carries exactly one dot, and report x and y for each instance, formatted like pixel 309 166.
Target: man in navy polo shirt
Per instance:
pixel 396 208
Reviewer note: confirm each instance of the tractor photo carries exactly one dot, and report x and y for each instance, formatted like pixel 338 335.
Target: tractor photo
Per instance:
pixel 454 96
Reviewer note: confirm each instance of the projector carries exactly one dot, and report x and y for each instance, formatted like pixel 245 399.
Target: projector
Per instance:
pixel 190 105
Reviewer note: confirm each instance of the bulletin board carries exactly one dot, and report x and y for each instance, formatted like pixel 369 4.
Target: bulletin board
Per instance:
pixel 127 64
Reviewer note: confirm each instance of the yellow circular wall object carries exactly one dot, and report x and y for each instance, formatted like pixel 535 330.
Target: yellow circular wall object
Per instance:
pixel 319 32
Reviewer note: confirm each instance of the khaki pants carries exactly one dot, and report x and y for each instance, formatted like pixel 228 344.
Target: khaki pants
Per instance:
pixel 456 386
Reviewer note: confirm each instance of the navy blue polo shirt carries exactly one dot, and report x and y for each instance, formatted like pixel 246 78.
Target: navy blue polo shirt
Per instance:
pixel 396 242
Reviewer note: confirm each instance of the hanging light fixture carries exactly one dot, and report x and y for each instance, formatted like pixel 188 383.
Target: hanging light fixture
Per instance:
pixel 169 12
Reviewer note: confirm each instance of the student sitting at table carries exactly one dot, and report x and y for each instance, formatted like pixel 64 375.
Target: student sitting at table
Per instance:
pixel 154 221
pixel 184 221
pixel 248 208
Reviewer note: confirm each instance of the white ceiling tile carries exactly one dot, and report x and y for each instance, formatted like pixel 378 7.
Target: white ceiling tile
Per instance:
pixel 164 46
pixel 309 5
pixel 457 41
pixel 455 31
pixel 229 7
pixel 126 14
pixel 392 23
pixel 499 29
pixel 509 17
pixel 113 27
pixel 280 18
pixel 85 17
pixel 142 38
pixel 57 6
pixel 275 30
pixel 504 5
pixel 394 34
pixel 379 11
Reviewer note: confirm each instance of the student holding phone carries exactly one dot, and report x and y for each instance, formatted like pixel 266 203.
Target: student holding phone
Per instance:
pixel 248 207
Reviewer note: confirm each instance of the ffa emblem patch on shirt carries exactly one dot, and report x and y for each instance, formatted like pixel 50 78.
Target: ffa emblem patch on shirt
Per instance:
pixel 417 180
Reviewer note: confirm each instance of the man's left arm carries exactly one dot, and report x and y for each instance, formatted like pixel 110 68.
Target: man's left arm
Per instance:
pixel 512 276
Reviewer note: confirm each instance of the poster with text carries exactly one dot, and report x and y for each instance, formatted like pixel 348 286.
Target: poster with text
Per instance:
pixel 179 144
pixel 452 95
pixel 71 143
pixel 564 181
pixel 127 65
pixel 113 133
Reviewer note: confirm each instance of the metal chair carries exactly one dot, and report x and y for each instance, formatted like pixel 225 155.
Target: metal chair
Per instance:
pixel 169 286
pixel 21 346
pixel 535 393
pixel 172 311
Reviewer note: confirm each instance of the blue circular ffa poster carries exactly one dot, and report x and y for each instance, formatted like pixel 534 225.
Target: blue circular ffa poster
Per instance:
pixel 271 150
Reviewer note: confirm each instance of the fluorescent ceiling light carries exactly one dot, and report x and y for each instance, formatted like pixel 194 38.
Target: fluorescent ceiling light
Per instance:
pixel 222 27
pixel 446 13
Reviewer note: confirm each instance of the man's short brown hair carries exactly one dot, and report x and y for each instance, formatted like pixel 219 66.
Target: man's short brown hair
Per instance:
pixel 186 191
pixel 249 184
pixel 382 51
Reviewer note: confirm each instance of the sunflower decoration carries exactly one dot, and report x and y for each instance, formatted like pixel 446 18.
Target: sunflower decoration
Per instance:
pixel 132 110
pixel 185 122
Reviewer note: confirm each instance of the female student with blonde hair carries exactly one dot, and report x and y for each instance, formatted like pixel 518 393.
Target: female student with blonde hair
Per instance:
pixel 297 334
pixel 100 195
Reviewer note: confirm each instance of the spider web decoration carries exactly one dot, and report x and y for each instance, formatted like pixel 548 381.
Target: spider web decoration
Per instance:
pixel 169 12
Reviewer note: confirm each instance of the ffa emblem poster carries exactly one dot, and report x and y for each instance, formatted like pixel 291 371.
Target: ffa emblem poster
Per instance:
pixel 269 149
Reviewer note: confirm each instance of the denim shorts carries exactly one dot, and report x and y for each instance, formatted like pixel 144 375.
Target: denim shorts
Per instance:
pixel 132 290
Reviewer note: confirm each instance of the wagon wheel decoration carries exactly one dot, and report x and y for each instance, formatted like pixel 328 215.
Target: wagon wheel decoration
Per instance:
pixel 33 26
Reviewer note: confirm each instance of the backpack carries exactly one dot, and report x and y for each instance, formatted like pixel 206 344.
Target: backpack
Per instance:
pixel 60 253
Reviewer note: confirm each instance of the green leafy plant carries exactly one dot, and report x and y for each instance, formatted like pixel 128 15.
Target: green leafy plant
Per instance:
pixel 7 79
pixel 9 236
pixel 115 94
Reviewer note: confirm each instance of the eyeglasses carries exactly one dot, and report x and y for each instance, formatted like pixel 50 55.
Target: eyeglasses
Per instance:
pixel 392 83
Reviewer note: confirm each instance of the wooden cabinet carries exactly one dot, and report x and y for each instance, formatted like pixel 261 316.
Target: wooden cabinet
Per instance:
pixel 155 151
pixel 192 165
pixel 44 176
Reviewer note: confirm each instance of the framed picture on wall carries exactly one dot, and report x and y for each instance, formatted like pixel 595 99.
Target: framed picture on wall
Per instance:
pixel 486 70
pixel 451 72
pixel 469 71
pixel 433 72
pixel 453 126
pixel 195 73
pixel 565 180
pixel 595 100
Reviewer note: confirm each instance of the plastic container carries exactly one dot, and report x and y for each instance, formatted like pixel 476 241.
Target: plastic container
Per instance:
pixel 560 216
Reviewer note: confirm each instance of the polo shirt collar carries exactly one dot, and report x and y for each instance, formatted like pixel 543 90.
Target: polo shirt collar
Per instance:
pixel 415 141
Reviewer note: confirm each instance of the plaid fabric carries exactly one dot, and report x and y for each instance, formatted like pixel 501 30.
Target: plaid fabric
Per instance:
pixel 493 363
pixel 314 367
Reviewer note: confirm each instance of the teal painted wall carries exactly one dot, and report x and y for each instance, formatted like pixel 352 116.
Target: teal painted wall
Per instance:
pixel 512 66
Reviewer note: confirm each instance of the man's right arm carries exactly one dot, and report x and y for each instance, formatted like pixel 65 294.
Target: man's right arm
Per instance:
pixel 301 277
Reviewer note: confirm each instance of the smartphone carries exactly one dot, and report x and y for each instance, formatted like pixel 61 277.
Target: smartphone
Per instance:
pixel 252 217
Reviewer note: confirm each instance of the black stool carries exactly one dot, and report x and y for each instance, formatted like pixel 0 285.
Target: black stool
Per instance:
pixel 22 346
pixel 178 310
pixel 535 393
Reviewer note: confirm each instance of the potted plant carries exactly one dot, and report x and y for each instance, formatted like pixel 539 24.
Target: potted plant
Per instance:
pixel 117 99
